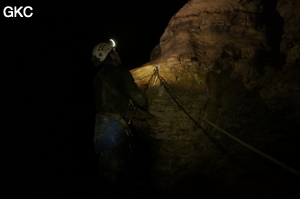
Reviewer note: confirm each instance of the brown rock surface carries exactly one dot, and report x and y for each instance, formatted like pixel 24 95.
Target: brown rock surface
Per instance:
pixel 236 64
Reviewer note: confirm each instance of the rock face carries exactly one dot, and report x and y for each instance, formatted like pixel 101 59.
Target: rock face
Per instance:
pixel 229 64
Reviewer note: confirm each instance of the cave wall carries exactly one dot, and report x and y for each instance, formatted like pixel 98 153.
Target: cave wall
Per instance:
pixel 236 64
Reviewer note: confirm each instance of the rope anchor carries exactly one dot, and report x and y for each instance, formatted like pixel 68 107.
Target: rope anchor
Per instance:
pixel 155 72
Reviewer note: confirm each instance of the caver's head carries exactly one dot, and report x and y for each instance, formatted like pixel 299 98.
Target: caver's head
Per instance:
pixel 105 52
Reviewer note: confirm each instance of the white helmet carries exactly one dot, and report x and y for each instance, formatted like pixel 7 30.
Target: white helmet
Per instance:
pixel 101 50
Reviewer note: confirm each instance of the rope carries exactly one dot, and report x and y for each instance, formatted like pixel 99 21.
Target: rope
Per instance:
pixel 277 162
pixel 155 73
pixel 145 89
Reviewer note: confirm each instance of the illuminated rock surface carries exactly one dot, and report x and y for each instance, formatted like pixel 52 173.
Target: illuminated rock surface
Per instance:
pixel 236 64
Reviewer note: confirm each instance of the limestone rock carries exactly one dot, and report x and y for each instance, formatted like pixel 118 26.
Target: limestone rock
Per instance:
pixel 234 63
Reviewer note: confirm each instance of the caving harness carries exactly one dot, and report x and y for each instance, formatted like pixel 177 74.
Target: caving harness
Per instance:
pixel 130 116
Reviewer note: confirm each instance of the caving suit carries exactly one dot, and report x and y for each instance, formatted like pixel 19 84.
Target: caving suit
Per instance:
pixel 114 86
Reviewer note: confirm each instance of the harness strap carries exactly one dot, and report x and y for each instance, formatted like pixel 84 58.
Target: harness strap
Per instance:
pixel 121 120
pixel 118 117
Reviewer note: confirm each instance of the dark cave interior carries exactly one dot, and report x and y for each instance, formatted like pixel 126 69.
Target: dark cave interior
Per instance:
pixel 47 151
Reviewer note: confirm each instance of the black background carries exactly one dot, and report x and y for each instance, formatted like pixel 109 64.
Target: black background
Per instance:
pixel 47 101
